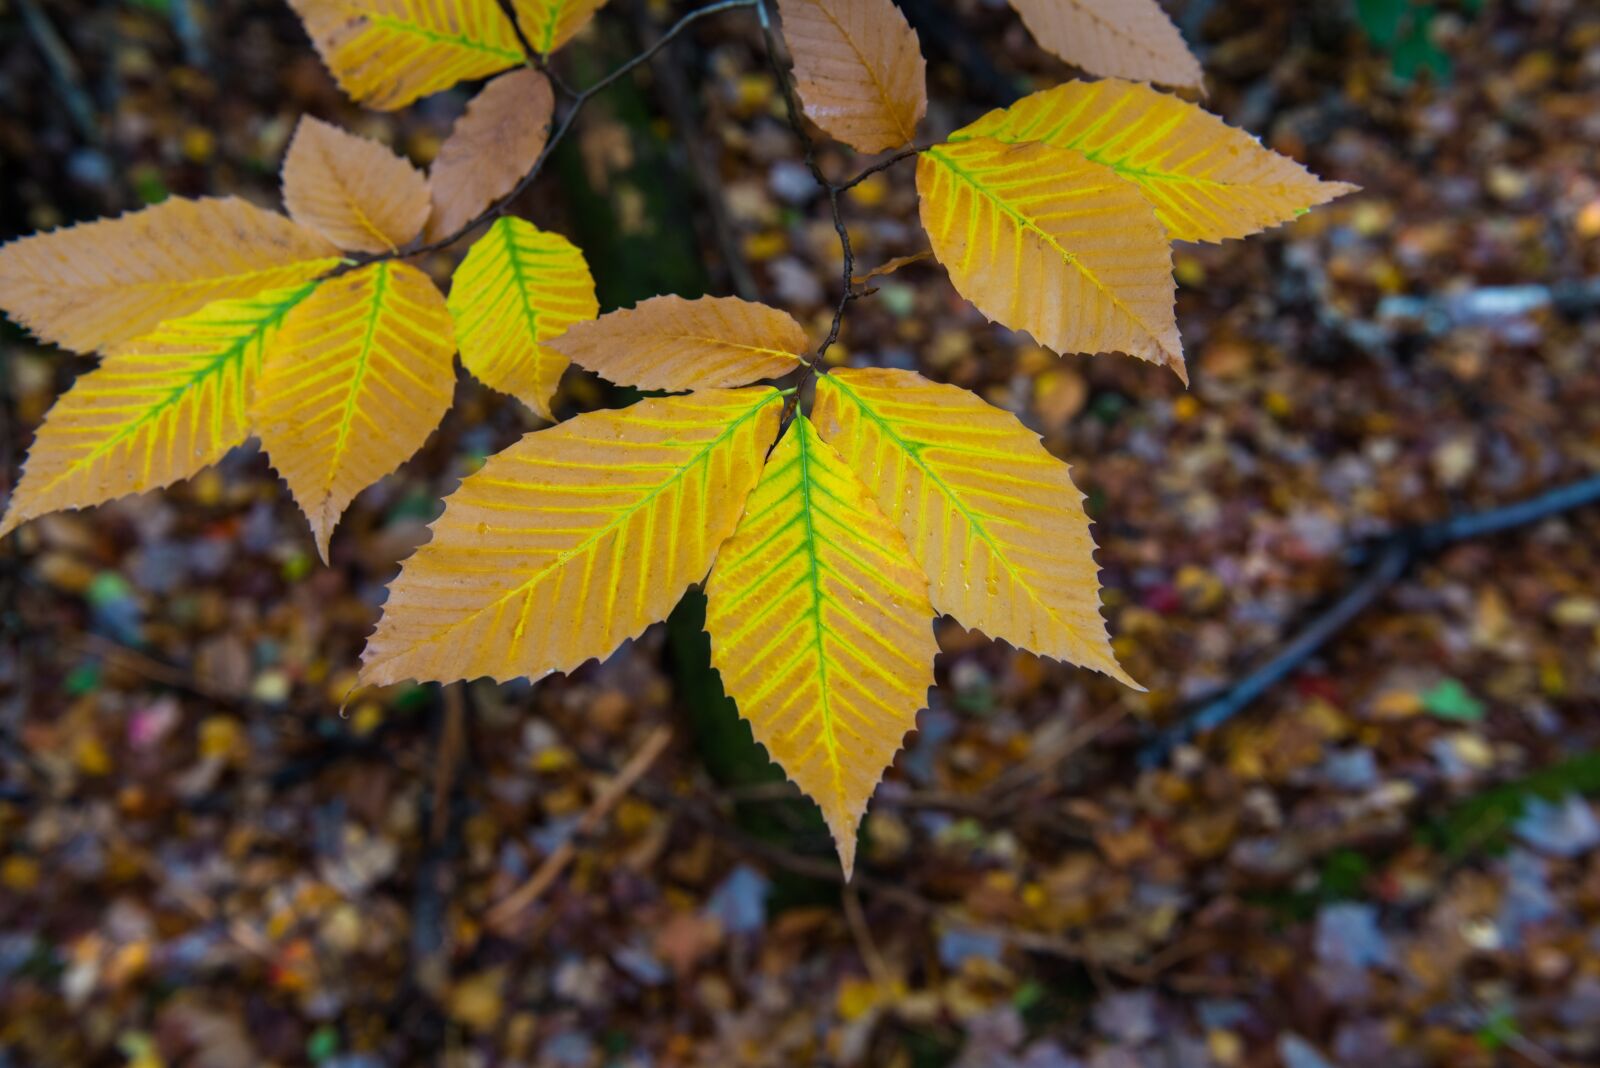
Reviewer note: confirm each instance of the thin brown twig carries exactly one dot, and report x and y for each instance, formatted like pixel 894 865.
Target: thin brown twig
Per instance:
pixel 877 967
pixel 890 266
pixel 833 191
pixel 502 916
pixel 531 55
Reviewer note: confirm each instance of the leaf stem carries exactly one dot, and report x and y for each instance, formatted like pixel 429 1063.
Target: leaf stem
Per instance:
pixel 833 190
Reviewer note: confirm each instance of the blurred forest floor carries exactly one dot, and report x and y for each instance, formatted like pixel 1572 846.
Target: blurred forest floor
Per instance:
pixel 1390 859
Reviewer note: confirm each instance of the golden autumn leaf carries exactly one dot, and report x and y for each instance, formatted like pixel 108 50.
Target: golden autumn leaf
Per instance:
pixel 158 409
pixel 94 285
pixel 387 53
pixel 1117 38
pixel 518 289
pixel 673 343
pixel 360 374
pixel 993 519
pixel 490 148
pixel 353 191
pixel 1045 240
pixel 821 628
pixel 859 70
pixel 1207 181
pixel 549 24
pixel 574 539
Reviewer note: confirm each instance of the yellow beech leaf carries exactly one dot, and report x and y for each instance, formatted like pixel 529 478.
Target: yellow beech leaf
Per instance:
pixel 517 289
pixel 1118 38
pixel 574 539
pixel 158 409
pixel 94 285
pixel 1045 240
pixel 992 517
pixel 357 379
pixel 859 70
pixel 549 24
pixel 821 628
pixel 387 53
pixel 490 148
pixel 1207 181
pixel 673 343
pixel 353 191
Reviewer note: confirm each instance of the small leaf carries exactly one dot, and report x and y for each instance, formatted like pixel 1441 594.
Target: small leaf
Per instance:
pixel 158 409
pixel 360 375
pixel 1207 181
pixel 574 539
pixel 353 191
pixel 1044 240
pixel 992 517
pixel 387 53
pixel 104 282
pixel 490 148
pixel 673 343
pixel 821 629
pixel 859 70
pixel 517 289
pixel 1450 699
pixel 549 24
pixel 1116 38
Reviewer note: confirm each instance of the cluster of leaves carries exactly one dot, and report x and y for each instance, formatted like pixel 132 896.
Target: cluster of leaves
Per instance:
pixel 219 320
pixel 827 540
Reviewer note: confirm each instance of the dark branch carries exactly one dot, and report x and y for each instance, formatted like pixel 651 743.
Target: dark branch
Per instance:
pixel 1388 561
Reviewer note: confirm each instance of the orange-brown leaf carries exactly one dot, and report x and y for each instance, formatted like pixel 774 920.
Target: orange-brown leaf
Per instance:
pixel 360 374
pixel 1044 240
pixel 993 519
pixel 574 539
pixel 490 148
pixel 673 343
pixel 859 70
pixel 353 191
pixel 1118 38
pixel 104 282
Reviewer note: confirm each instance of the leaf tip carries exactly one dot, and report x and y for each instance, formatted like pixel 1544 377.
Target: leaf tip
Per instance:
pixel 844 841
pixel 322 523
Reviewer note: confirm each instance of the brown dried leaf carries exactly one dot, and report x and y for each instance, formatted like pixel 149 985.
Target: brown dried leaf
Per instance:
pixel 1117 38
pixel 353 191
pixel 104 282
pixel 673 343
pixel 859 70
pixel 490 148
